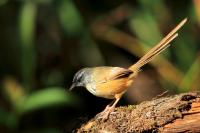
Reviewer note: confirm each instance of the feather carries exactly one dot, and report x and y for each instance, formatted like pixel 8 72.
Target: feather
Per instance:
pixel 162 45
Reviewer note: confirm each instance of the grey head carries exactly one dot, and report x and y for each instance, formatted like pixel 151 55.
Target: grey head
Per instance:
pixel 81 78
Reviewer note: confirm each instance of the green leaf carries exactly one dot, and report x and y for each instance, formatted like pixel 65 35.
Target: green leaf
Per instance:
pixel 92 58
pixel 185 51
pixel 70 18
pixel 45 98
pixel 2 2
pixel 145 27
pixel 27 30
pixel 8 119
pixel 190 76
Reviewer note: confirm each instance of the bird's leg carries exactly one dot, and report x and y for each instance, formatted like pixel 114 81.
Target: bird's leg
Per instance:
pixel 109 108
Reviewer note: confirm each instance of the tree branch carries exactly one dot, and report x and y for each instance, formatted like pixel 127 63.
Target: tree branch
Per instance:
pixel 179 113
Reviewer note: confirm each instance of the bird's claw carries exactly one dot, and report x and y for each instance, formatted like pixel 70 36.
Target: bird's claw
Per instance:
pixel 104 115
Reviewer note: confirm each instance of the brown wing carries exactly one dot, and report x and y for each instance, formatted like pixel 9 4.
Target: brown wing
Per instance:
pixel 121 73
pixel 105 73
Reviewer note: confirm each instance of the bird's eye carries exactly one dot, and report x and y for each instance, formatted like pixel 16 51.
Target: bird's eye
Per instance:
pixel 77 79
pixel 78 76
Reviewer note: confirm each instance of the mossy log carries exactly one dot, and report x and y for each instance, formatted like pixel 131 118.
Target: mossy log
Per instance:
pixel 178 113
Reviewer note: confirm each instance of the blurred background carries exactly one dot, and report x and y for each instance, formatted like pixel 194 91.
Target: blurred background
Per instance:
pixel 44 42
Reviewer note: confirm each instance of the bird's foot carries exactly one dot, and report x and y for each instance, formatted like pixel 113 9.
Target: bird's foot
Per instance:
pixel 105 113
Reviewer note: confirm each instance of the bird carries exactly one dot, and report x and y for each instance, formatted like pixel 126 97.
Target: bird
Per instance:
pixel 112 82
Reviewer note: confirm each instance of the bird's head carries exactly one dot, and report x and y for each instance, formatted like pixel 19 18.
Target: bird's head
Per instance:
pixel 81 78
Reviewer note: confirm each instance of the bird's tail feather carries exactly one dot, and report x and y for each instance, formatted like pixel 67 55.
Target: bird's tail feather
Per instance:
pixel 162 45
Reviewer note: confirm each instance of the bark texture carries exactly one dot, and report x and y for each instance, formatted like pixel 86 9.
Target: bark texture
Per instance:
pixel 179 113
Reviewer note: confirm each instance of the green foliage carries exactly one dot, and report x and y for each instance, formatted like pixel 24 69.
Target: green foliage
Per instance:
pixel 8 119
pixel 45 98
pixel 70 18
pixel 150 33
pixel 27 30
pixel 2 2
pixel 92 58
pixel 190 76
pixel 44 42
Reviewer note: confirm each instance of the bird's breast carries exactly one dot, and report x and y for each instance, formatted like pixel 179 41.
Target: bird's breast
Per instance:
pixel 109 89
pixel 91 87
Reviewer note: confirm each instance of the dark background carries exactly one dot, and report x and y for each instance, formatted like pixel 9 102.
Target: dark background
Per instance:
pixel 44 42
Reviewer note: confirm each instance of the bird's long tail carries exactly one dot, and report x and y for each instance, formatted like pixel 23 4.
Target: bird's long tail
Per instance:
pixel 162 45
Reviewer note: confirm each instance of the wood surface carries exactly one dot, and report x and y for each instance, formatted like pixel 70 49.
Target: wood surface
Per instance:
pixel 178 113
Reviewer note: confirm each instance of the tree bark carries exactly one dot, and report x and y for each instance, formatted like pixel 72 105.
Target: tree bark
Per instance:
pixel 179 113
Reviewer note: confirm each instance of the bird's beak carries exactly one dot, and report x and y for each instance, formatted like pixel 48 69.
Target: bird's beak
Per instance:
pixel 72 86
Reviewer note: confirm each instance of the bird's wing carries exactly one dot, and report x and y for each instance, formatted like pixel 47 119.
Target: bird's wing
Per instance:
pixel 106 74
pixel 120 73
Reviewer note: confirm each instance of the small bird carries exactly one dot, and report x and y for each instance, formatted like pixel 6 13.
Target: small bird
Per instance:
pixel 112 82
